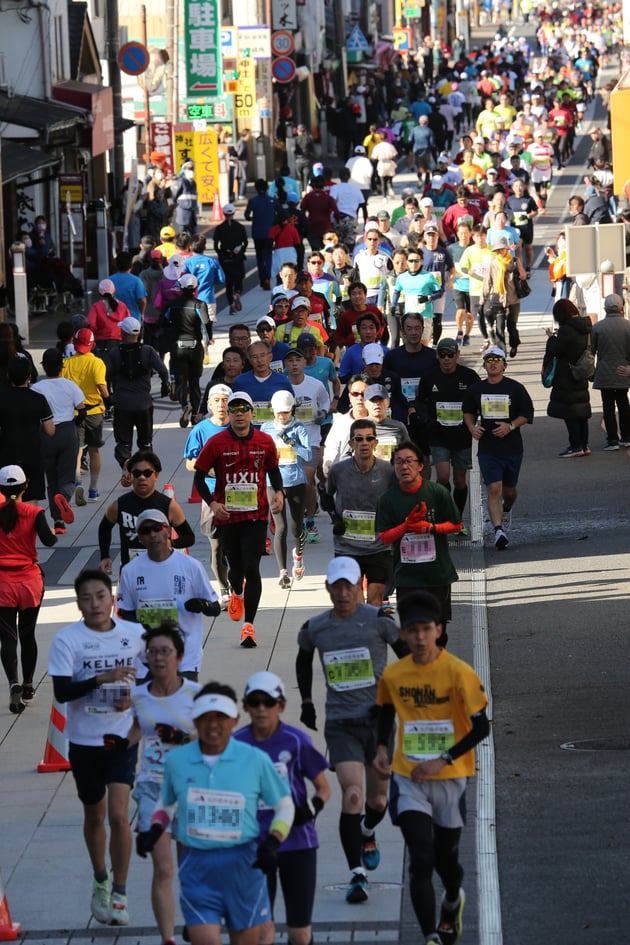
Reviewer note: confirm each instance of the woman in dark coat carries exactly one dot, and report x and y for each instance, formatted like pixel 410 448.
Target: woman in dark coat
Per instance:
pixel 569 399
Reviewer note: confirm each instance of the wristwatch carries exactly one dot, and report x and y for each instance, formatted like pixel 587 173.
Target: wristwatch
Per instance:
pixel 445 756
pixel 512 428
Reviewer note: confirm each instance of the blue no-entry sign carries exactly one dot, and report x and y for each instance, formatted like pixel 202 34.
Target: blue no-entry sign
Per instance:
pixel 133 58
pixel 283 69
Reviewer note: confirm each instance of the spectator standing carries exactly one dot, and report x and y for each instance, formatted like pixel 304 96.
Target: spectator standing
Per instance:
pixel 569 398
pixel 611 347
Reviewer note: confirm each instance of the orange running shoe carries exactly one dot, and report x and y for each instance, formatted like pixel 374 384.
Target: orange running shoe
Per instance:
pixel 236 607
pixel 248 636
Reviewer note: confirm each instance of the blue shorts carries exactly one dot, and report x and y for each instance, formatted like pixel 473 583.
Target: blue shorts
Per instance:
pixel 503 469
pixel 222 884
pixel 459 459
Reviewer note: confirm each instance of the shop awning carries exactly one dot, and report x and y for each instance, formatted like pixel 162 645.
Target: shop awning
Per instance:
pixel 98 101
pixel 53 122
pixel 19 161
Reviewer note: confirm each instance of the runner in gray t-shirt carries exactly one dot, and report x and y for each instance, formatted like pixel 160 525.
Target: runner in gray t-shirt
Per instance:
pixel 351 640
pixel 354 486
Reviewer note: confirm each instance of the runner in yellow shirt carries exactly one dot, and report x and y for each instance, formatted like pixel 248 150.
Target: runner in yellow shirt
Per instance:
pixel 440 704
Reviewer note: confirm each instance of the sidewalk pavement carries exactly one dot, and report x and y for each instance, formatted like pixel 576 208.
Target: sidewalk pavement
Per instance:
pixel 43 861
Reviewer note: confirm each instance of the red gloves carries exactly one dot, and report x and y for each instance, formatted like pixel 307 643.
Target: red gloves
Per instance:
pixel 417 524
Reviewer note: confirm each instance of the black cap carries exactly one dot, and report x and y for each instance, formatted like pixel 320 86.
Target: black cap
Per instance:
pixel 419 607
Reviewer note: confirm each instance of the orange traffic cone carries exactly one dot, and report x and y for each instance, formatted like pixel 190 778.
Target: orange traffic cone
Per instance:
pixel 56 750
pixel 194 495
pixel 217 209
pixel 9 930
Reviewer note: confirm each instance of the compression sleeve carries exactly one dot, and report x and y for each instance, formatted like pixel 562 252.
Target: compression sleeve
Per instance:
pixel 66 690
pixel 304 673
pixel 105 530
pixel 185 536
pixel 386 718
pixel 284 814
pixel 480 730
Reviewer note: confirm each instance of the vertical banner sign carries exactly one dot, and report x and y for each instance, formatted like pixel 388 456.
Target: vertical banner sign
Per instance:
pixel 245 98
pixel 206 156
pixel 162 141
pixel 202 42
pixel 183 142
pixel 284 15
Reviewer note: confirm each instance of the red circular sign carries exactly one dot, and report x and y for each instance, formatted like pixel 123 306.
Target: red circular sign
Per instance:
pixel 282 43
pixel 133 58
pixel 283 69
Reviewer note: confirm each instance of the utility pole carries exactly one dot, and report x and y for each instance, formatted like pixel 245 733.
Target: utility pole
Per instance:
pixel 147 104
pixel 173 63
pixel 117 156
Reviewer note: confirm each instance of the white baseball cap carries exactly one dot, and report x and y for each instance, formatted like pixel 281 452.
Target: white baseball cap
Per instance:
pixel 372 354
pixel 265 682
pixel 343 569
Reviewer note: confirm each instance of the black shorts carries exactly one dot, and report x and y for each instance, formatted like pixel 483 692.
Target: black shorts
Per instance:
pixel 91 431
pixel 376 568
pixel 93 768
pixel 462 300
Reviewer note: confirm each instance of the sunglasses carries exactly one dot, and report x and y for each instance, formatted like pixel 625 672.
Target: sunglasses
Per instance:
pixel 147 529
pixel 447 354
pixel 161 651
pixel 356 393
pixel 364 439
pixel 265 328
pixel 256 701
pixel 240 408
pixel 492 358
pixel 414 259
pixel 144 473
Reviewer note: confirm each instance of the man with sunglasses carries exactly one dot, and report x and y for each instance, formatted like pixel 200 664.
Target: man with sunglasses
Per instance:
pixel 439 405
pixel 241 457
pixel 351 640
pixel 166 584
pixel 143 468
pixel 373 265
pixel 419 289
pixel 354 486
pixel 494 412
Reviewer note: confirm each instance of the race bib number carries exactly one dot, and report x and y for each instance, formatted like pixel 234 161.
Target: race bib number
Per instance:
pixel 305 412
pixel 153 612
pixel 154 754
pixel 409 387
pixel 449 414
pixel 277 366
pixel 495 406
pixel 215 815
pixel 241 497
pixel 385 447
pixel 359 525
pixel 412 304
pixel 424 740
pixel 262 411
pixel 417 549
pixel 286 455
pixel 103 700
pixel 349 669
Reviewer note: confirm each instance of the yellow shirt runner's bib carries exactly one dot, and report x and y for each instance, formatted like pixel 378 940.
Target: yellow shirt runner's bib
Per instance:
pixel 425 739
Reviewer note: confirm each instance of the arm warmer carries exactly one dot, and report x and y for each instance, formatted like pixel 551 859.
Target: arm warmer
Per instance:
pixel 480 730
pixel 393 534
pixel 105 530
pixel 386 718
pixel 284 814
pixel 66 690
pixel 43 530
pixel 275 478
pixel 447 528
pixel 304 673
pixel 185 536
